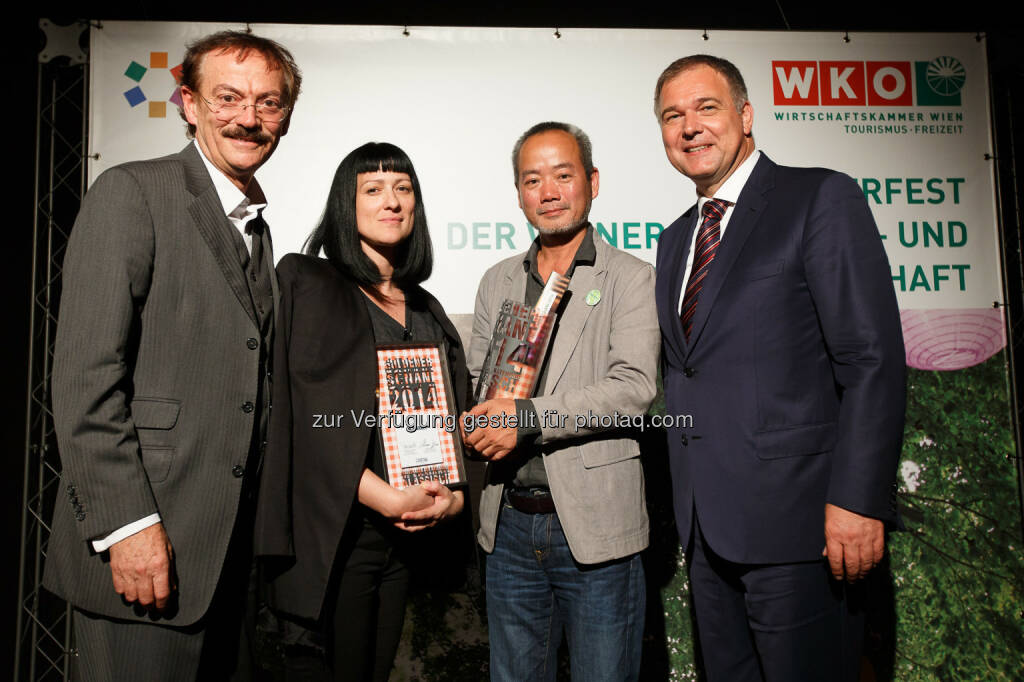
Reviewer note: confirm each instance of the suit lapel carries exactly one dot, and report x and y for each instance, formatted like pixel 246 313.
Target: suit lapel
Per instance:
pixel 585 278
pixel 209 218
pixel 680 251
pixel 745 217
pixel 514 286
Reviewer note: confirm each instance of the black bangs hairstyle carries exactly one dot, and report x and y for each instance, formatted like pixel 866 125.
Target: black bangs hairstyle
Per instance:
pixel 338 235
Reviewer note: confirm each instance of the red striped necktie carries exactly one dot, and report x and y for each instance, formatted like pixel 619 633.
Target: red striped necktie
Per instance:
pixel 708 238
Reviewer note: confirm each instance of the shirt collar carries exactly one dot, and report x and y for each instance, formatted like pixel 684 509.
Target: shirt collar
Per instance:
pixel 586 253
pixel 733 185
pixel 234 201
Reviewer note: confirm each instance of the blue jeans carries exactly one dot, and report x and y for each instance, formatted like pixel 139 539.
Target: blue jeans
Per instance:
pixel 535 588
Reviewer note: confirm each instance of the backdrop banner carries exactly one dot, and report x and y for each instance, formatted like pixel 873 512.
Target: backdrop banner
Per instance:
pixel 906 115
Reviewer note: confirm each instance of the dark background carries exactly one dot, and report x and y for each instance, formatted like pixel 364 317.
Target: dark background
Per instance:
pixel 1006 63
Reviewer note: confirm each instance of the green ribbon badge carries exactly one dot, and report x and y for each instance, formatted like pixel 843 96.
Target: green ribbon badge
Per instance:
pixel 593 296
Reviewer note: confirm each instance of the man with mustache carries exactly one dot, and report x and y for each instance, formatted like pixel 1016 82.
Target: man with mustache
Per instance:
pixel 161 384
pixel 562 515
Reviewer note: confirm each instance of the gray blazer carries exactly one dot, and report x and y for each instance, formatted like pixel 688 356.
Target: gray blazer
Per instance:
pixel 604 361
pixel 155 380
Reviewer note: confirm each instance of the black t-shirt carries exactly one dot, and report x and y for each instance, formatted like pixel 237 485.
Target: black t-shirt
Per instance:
pixel 420 326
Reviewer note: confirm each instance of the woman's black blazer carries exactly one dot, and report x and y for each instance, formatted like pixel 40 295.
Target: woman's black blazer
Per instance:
pixel 324 363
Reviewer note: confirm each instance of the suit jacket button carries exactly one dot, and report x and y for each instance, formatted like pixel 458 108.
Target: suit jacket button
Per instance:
pixel 252 344
pixel 237 471
pixel 80 516
pixel 689 372
pixel 684 440
pixel 248 407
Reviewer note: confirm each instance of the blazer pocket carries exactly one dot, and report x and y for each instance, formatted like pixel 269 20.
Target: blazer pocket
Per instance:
pixel 765 270
pixel 618 451
pixel 157 459
pixel 155 413
pixel 796 441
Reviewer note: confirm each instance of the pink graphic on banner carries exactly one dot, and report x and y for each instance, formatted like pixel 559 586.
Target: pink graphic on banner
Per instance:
pixel 952 339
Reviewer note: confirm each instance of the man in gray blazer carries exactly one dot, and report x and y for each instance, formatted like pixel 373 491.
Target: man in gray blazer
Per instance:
pixel 160 380
pixel 562 515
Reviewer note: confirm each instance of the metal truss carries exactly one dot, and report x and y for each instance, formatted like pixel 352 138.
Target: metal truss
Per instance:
pixel 43 634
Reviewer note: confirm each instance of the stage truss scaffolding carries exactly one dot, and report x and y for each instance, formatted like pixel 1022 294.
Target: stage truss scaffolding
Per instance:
pixel 43 644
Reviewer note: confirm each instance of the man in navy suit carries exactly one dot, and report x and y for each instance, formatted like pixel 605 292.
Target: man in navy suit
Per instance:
pixel 781 337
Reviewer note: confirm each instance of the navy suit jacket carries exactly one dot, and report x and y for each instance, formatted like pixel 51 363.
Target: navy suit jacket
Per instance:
pixel 794 373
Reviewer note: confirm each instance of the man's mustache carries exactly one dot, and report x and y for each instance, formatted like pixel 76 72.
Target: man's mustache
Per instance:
pixel 240 133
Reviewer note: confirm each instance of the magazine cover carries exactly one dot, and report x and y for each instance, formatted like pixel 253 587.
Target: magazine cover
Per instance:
pixel 417 421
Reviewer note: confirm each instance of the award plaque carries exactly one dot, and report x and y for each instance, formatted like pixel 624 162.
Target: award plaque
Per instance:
pixel 518 344
pixel 416 415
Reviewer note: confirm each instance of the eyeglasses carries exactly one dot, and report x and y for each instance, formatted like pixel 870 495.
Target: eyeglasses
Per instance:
pixel 227 107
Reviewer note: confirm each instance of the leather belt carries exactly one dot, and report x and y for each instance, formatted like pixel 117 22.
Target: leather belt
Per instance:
pixel 531 500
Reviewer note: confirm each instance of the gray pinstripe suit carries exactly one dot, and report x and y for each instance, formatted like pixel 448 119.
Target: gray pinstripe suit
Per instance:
pixel 155 382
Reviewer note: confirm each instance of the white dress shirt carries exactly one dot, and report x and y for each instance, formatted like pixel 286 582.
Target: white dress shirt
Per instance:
pixel 238 207
pixel 729 192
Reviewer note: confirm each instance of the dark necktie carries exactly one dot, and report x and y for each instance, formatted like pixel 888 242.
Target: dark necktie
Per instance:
pixel 257 266
pixel 708 237
pixel 253 228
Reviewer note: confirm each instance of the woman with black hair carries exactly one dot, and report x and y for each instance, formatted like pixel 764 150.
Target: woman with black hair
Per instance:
pixel 335 536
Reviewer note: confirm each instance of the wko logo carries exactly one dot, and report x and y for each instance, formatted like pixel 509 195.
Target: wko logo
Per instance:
pixel 873 84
